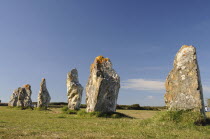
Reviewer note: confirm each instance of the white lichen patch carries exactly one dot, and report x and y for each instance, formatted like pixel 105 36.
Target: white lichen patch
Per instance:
pixel 185 55
pixel 183 77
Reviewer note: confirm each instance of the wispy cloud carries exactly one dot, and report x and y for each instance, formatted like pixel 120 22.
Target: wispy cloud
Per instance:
pixel 206 88
pixel 143 85
pixel 161 68
pixel 150 97
pixel 149 85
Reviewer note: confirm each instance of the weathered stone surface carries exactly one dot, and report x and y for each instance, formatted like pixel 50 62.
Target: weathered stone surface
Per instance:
pixel 43 96
pixel 21 97
pixel 183 84
pixel 74 90
pixel 103 86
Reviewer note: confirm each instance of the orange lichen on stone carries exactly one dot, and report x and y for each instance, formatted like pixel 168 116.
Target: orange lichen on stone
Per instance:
pixel 92 66
pixel 185 46
pixel 99 60
pixel 27 86
pixel 169 97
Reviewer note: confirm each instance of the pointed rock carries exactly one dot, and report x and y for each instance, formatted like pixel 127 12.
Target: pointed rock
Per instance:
pixel 43 96
pixel 183 84
pixel 74 90
pixel 21 97
pixel 103 86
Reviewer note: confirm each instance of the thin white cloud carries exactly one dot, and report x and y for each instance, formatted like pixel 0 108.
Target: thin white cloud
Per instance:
pixel 149 85
pixel 206 88
pixel 153 68
pixel 143 85
pixel 150 97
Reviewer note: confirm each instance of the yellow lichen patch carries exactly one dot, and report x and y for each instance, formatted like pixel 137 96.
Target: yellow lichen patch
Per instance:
pixel 92 66
pixel 27 86
pixel 168 97
pixel 184 46
pixel 101 59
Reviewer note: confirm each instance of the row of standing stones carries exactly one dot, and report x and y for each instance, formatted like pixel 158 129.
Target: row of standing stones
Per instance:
pixel 21 97
pixel 183 86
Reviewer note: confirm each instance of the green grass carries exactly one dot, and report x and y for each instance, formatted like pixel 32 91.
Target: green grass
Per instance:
pixel 15 123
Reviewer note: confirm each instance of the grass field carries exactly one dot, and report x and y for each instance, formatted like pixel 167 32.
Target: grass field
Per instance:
pixel 16 123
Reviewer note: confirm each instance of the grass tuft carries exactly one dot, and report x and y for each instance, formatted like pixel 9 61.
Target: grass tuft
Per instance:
pixel 61 116
pixel 41 109
pixel 66 110
pixel 182 117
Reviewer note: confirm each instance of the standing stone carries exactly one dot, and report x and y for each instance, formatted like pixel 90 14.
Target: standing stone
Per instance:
pixel 183 84
pixel 28 92
pixel 21 97
pixel 74 90
pixel 103 86
pixel 43 96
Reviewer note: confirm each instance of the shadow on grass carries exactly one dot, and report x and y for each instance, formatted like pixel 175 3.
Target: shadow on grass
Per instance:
pixel 42 109
pixel 205 122
pixel 20 108
pixel 83 113
pixel 30 108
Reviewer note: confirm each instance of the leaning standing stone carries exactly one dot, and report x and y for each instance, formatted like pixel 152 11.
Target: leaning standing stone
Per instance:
pixel 74 90
pixel 103 86
pixel 43 96
pixel 183 84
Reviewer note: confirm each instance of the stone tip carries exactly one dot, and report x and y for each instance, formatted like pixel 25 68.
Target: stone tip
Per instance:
pixel 101 59
pixel 74 70
pixel 27 86
pixel 187 46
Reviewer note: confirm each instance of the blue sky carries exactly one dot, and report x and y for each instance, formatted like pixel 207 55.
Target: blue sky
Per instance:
pixel 47 38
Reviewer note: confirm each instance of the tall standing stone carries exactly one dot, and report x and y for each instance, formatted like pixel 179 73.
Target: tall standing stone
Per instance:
pixel 74 90
pixel 28 92
pixel 43 96
pixel 21 97
pixel 183 84
pixel 103 86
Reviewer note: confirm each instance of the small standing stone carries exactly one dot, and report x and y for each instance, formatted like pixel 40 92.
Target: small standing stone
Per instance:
pixel 21 97
pixel 183 84
pixel 74 90
pixel 103 86
pixel 43 96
